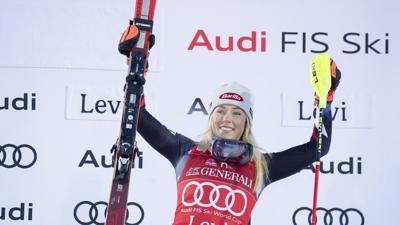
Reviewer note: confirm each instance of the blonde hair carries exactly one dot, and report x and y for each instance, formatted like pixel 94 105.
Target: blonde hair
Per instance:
pixel 257 157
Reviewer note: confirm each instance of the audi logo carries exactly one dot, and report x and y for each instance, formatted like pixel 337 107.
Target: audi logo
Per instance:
pixel 218 194
pixel 22 156
pixel 330 216
pixel 87 213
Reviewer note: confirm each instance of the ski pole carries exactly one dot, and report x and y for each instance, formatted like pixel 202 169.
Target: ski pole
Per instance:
pixel 321 82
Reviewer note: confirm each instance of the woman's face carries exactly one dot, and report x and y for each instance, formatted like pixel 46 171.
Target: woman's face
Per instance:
pixel 228 122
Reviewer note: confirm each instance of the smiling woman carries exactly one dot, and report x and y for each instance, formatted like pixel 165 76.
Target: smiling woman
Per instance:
pixel 226 171
pixel 228 121
pixel 230 108
pixel 220 178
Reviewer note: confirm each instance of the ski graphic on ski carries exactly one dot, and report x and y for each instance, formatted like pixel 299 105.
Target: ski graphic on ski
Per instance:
pixel 125 148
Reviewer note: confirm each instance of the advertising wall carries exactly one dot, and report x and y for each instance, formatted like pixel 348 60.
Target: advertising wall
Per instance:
pixel 61 87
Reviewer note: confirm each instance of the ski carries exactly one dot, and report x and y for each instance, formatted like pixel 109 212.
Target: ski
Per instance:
pixel 125 148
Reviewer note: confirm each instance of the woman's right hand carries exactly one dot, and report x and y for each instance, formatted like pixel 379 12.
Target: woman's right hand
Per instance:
pixel 129 39
pixel 127 42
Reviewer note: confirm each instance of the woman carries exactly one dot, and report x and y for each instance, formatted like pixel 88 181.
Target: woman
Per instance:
pixel 220 178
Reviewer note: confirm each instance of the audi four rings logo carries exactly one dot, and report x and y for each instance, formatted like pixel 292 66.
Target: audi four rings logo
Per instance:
pixel 218 193
pixel 22 156
pixel 87 213
pixel 330 216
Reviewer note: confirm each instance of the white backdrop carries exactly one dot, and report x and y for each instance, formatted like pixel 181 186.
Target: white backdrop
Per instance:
pixel 59 59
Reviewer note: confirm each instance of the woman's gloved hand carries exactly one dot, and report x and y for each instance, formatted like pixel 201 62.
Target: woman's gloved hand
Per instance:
pixel 129 39
pixel 335 76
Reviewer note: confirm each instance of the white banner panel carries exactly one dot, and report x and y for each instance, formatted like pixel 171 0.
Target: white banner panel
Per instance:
pixel 61 86
pixel 350 111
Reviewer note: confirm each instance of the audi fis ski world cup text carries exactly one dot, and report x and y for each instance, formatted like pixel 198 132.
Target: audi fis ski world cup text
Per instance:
pixel 291 42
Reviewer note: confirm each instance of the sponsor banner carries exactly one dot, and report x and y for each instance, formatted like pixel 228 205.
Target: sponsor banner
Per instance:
pixel 55 96
pixel 349 111
pixel 291 41
pixel 93 103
